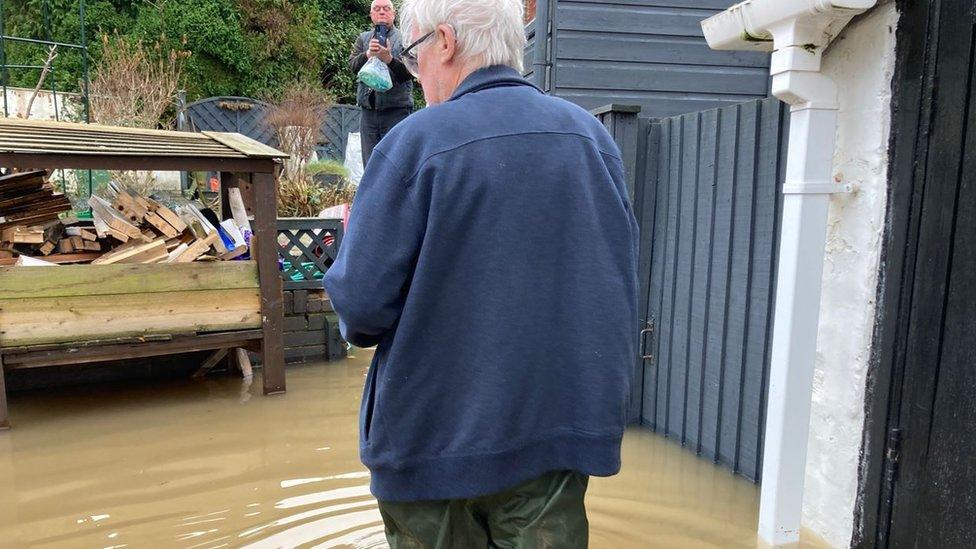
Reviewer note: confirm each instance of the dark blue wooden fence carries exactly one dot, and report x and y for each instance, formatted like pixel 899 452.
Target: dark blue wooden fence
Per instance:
pixel 707 195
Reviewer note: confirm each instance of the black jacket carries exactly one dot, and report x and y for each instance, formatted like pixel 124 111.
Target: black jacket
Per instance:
pixel 398 97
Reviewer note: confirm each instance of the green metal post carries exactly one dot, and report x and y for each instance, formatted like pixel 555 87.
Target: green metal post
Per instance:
pixel 84 60
pixel 3 58
pixel 84 77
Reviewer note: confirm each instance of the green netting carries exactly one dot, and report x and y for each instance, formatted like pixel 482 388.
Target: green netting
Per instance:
pixel 297 276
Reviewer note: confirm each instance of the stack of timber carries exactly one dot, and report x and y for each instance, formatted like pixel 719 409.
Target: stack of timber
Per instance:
pixel 125 228
pixel 28 199
pixel 29 212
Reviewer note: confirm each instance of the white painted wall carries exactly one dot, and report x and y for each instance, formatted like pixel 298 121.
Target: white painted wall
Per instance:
pixel 861 61
pixel 69 104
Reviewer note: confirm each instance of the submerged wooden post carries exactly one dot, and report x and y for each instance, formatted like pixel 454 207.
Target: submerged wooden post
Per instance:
pixel 265 252
pixel 4 419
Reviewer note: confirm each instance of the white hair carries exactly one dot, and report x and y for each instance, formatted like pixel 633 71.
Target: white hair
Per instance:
pixel 489 32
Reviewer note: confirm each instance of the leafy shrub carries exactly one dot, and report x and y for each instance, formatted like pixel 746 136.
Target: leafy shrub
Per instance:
pixel 327 167
pixel 240 47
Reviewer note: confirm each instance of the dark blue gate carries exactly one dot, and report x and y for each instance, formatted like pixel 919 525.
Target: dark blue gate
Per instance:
pixel 706 190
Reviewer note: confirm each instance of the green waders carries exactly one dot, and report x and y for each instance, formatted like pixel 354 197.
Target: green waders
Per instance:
pixel 547 512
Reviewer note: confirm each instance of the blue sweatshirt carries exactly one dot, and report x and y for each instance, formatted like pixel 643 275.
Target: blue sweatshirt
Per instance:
pixel 491 257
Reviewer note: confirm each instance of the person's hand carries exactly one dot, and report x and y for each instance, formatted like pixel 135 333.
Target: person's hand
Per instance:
pixel 385 55
pixel 374 49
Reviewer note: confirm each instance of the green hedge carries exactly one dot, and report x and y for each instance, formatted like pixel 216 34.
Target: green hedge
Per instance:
pixel 239 47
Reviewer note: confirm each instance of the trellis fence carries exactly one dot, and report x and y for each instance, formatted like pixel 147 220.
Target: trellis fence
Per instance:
pixel 246 116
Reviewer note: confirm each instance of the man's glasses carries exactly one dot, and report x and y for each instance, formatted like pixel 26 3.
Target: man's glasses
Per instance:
pixel 409 55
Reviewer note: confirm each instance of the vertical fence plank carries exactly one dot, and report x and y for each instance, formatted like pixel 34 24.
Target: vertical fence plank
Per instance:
pixel 760 311
pixel 741 267
pixel 670 273
pixel 645 211
pixel 698 318
pixel 703 297
pixel 660 146
pixel 630 135
pixel 625 130
pixel 678 363
pixel 720 281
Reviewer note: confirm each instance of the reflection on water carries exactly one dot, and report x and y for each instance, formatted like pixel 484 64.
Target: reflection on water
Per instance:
pixel 209 464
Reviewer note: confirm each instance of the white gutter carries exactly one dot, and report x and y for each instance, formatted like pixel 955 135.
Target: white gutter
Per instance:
pixel 797 32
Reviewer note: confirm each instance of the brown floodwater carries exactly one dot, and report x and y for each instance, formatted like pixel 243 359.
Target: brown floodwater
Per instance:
pixel 212 463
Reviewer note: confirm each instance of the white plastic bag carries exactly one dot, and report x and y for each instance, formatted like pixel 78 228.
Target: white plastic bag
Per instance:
pixel 354 158
pixel 376 75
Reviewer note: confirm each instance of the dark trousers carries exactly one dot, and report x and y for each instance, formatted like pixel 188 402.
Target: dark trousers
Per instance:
pixel 544 513
pixel 375 125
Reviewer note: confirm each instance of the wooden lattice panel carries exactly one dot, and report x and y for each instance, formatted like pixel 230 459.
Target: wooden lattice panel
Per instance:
pixel 307 248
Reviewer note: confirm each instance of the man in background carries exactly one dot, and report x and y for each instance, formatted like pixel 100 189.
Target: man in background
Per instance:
pixel 491 258
pixel 381 110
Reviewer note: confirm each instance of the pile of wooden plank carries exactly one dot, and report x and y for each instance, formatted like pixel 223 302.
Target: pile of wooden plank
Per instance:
pixel 29 211
pixel 27 199
pixel 125 228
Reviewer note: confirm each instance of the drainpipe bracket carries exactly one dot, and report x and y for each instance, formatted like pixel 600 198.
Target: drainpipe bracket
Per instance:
pixel 816 187
pixel 804 90
pixel 795 58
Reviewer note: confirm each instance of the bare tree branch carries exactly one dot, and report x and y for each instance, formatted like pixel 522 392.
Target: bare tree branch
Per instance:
pixel 52 54
pixel 135 85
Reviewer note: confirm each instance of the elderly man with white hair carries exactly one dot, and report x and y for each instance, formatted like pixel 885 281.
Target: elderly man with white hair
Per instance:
pixel 381 110
pixel 491 258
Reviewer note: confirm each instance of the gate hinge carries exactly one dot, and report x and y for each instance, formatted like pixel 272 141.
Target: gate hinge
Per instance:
pixel 649 330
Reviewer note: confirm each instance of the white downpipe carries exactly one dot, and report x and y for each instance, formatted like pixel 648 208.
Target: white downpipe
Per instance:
pixel 797 31
pixel 809 182
pixel 795 326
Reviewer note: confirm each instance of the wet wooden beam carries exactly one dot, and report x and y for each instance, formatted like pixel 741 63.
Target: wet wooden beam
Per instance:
pixel 135 162
pixel 265 250
pixel 211 361
pixel 65 319
pixel 17 359
pixel 79 280
pixel 8 351
pixel 4 418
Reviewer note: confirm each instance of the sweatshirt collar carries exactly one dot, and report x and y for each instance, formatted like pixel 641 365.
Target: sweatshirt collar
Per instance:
pixel 491 77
